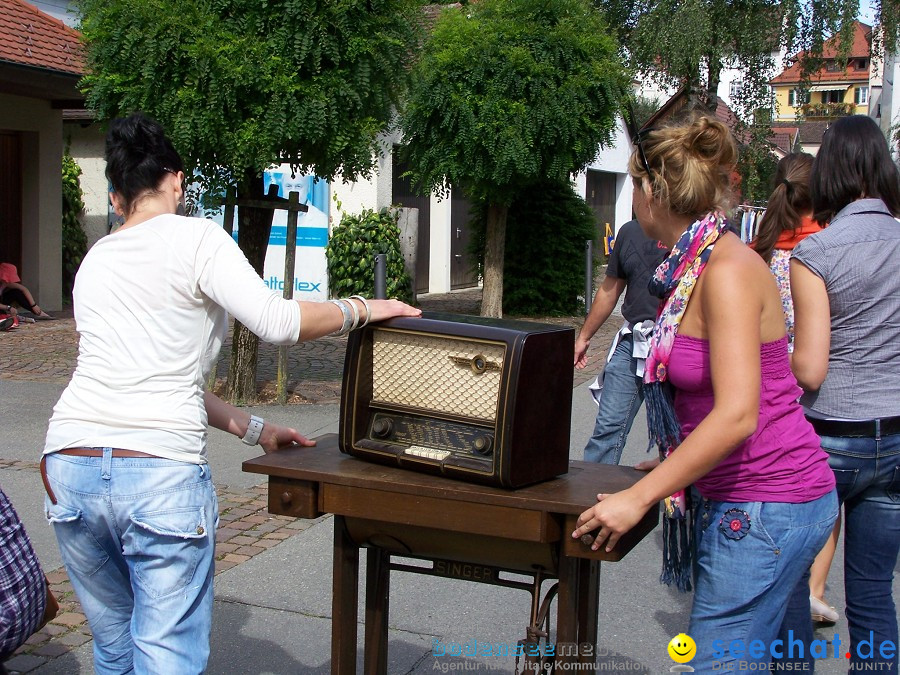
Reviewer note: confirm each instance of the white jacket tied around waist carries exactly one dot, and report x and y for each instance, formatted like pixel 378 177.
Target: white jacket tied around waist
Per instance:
pixel 640 348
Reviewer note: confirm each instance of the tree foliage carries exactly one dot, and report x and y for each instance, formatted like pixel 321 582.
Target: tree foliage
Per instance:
pixel 687 43
pixel 351 252
pixel 74 240
pixel 244 84
pixel 507 93
pixel 543 269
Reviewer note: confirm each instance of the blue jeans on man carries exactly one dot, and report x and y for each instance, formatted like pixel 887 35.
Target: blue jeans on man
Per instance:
pixel 137 536
pixel 623 394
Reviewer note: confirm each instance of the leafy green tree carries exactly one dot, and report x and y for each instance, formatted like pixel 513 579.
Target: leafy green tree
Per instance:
pixel 74 240
pixel 543 269
pixel 242 84
pixel 687 43
pixel 506 93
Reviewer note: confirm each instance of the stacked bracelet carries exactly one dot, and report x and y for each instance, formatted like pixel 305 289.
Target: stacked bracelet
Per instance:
pixel 348 320
pixel 351 314
pixel 366 305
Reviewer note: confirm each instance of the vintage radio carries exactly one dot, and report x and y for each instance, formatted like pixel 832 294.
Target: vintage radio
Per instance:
pixel 482 400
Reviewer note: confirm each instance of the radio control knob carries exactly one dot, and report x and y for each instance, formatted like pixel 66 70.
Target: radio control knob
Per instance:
pixel 383 428
pixel 483 445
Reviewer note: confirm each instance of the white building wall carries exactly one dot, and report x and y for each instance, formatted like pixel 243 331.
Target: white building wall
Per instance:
pixel 86 145
pixel 42 146
pixel 613 159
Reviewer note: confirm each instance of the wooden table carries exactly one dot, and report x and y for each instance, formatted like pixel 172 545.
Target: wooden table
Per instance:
pixel 467 531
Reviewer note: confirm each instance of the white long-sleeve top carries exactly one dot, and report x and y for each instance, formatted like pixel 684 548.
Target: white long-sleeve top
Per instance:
pixel 151 307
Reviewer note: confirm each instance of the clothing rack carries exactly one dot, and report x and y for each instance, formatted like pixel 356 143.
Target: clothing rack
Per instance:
pixel 749 217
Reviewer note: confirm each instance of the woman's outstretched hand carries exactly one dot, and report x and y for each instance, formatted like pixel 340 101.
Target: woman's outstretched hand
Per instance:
pixel 388 309
pixel 275 437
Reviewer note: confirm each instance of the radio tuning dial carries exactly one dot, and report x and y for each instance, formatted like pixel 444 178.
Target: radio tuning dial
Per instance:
pixel 383 428
pixel 483 445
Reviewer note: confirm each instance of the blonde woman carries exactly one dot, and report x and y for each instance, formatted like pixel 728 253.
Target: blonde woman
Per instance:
pixel 722 407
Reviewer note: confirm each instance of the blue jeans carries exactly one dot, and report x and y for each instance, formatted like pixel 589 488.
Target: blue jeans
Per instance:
pixel 867 471
pixel 742 584
pixel 137 536
pixel 623 394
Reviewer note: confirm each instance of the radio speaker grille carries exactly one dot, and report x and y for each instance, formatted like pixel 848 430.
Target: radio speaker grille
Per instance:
pixel 447 375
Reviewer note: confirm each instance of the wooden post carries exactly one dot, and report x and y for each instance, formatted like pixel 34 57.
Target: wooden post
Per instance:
pixel 290 253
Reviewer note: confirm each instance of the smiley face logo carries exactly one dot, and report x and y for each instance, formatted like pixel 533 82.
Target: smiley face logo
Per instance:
pixel 682 648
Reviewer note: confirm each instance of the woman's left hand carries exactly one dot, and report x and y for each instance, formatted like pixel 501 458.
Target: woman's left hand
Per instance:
pixel 613 515
pixel 275 437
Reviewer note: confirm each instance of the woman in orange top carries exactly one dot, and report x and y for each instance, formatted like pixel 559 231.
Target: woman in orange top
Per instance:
pixel 787 221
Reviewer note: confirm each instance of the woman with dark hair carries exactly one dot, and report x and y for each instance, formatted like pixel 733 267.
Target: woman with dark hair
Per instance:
pixel 130 494
pixel 722 408
pixel 846 293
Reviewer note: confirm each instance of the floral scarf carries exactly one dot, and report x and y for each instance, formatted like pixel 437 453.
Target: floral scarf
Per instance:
pixel 673 282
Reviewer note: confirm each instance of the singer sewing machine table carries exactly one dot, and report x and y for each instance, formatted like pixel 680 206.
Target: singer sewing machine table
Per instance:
pixel 467 531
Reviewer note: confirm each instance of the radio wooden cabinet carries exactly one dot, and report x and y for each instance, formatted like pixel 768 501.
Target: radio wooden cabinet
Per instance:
pixel 482 400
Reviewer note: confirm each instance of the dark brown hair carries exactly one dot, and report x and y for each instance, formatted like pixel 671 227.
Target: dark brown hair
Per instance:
pixel 853 163
pixel 788 203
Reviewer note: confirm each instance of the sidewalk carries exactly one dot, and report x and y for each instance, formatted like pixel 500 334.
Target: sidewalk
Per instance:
pixel 44 353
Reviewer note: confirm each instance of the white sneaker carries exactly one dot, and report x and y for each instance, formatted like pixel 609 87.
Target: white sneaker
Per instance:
pixel 822 613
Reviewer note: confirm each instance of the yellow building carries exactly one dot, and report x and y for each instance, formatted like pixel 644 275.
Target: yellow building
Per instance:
pixel 834 91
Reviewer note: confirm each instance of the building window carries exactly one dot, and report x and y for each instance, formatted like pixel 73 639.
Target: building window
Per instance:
pixel 735 88
pixel 832 66
pixel 833 96
pixel 861 64
pixel 796 98
pixel 862 96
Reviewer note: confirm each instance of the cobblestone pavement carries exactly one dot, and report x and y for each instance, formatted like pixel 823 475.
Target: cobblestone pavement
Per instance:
pixel 46 352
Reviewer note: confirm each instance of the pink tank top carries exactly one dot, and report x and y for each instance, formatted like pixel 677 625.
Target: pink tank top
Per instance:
pixel 783 460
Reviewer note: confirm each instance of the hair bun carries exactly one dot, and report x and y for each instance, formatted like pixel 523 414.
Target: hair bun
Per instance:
pixel 706 138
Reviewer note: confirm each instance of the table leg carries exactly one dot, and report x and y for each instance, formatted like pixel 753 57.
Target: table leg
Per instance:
pixel 378 592
pixel 577 606
pixel 344 604
pixel 588 608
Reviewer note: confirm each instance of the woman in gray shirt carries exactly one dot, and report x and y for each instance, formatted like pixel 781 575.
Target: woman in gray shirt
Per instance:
pixel 846 294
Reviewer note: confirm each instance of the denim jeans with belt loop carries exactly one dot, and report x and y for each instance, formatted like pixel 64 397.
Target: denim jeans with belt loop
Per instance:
pixel 743 582
pixel 137 536
pixel 867 471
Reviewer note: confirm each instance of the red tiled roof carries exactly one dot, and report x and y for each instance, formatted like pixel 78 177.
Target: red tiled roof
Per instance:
pixel 862 36
pixel 32 38
pixel 784 138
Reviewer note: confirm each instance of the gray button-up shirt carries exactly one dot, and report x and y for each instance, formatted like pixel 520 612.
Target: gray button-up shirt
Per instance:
pixel 858 258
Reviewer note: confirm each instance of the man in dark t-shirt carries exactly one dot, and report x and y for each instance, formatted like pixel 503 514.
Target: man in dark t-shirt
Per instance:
pixel 632 262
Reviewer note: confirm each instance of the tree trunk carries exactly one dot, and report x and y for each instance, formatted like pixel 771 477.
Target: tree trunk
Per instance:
pixel 714 68
pixel 253 238
pixel 494 245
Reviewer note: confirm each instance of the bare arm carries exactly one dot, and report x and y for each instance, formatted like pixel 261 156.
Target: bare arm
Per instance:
pixel 732 309
pixel 226 417
pixel 604 302
pixel 318 319
pixel 812 327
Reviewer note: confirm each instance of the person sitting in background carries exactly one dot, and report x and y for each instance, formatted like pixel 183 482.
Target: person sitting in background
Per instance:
pixel 12 291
